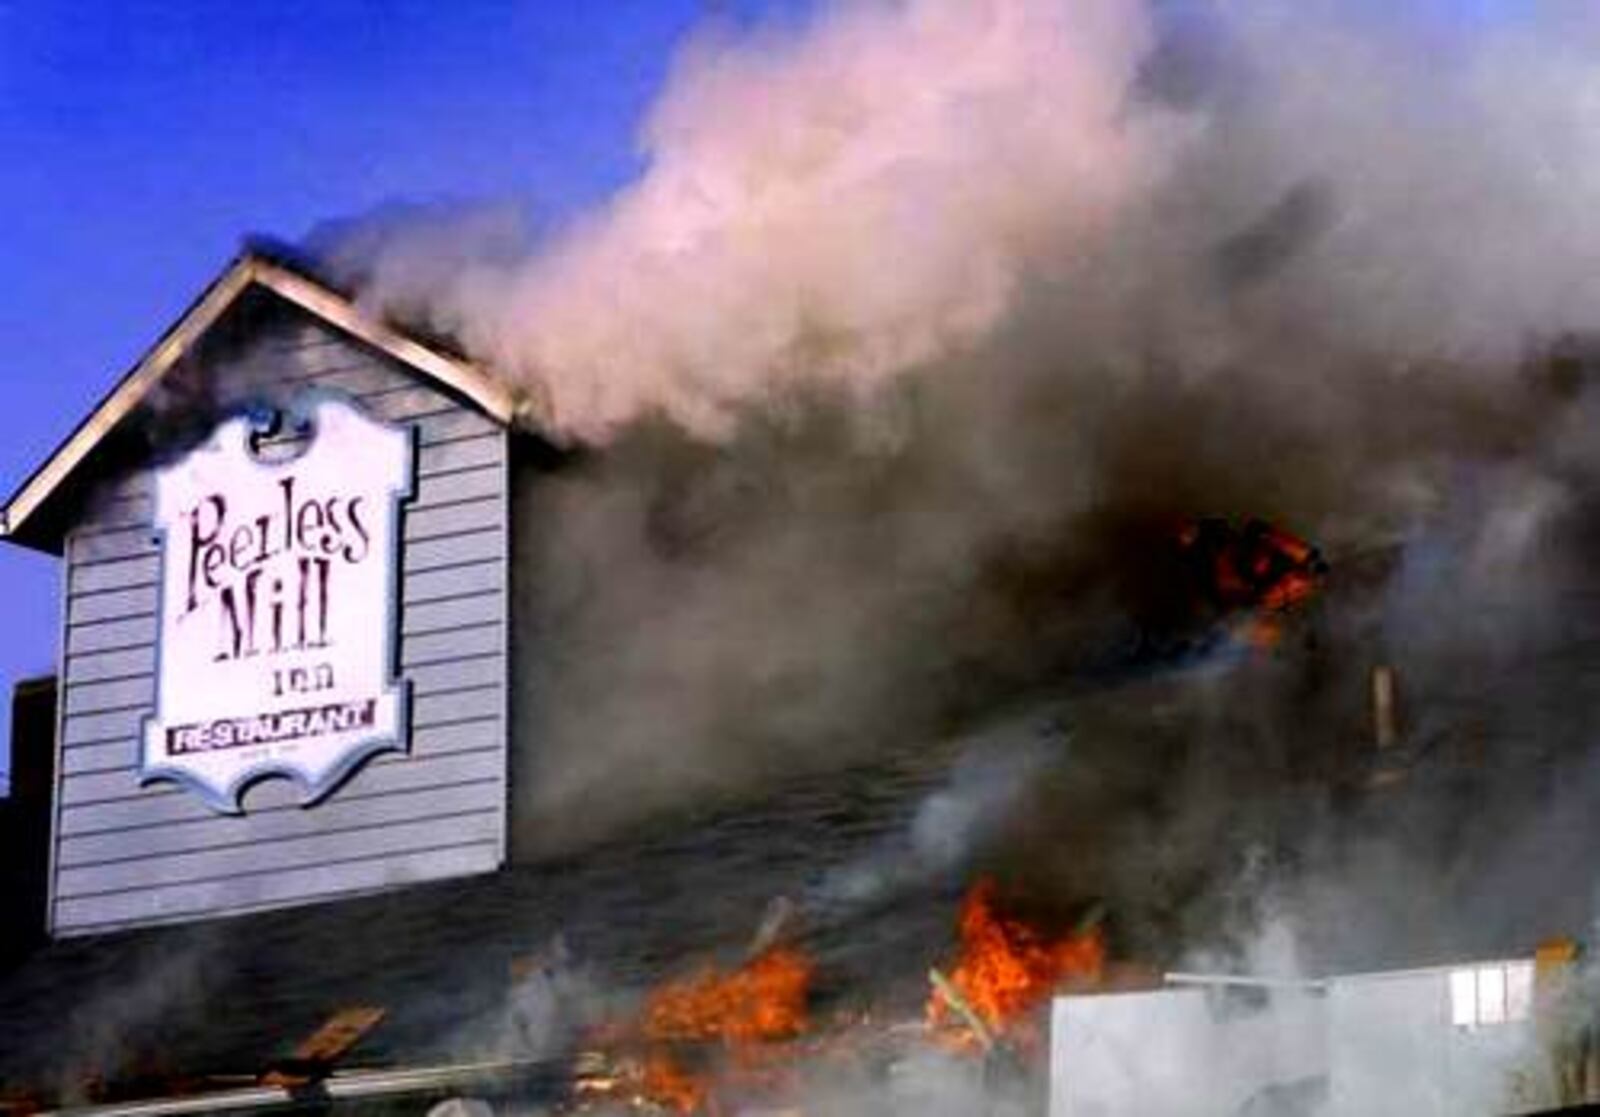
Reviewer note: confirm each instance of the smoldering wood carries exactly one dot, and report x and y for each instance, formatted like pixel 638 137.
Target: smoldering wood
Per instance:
pixel 1385 724
pixel 314 1057
pixel 958 1004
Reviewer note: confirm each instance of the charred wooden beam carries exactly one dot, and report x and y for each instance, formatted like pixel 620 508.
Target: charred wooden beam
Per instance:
pixel 962 1008
pixel 314 1058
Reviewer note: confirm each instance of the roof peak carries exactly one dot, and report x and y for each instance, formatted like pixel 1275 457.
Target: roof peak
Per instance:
pixel 294 276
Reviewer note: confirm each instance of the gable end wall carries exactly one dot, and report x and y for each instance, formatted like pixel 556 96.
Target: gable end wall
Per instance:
pixel 125 855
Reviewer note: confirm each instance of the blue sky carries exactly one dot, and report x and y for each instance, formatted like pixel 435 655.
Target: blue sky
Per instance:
pixel 141 141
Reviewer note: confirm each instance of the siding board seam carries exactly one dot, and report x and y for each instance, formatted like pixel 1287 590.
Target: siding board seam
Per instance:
pixel 123 736
pixel 265 843
pixel 358 363
pixel 448 439
pixel 396 389
pixel 165 790
pixel 98 711
pixel 79 595
pixel 277 346
pixel 115 618
pixel 446 692
pixel 445 598
pixel 276 870
pixel 492 529
pixel 454 658
pixel 111 679
pixel 467 658
pixel 95 529
pixel 447 533
pixel 454 470
pixel 462 565
pixel 454 502
pixel 232 911
pixel 449 628
pixel 88 563
pixel 118 766
pixel 110 648
pixel 77 625
pixel 285 808
pixel 473 720
pixel 459 721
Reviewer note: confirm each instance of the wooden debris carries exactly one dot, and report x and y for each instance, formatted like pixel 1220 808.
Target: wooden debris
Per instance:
pixel 776 923
pixel 318 1052
pixel 952 997
pixel 1385 723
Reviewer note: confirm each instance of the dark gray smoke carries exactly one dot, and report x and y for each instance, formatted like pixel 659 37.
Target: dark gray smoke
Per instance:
pixel 924 328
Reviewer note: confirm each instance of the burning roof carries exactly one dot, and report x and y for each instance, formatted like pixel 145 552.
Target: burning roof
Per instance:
pixel 968 386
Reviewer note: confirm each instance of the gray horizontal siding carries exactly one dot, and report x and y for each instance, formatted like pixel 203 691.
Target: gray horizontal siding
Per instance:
pixel 123 786
pixel 93 574
pixel 90 667
pixel 463 484
pixel 104 636
pixel 114 694
pixel 475 546
pixel 458 674
pixel 442 647
pixel 257 853
pixel 111 515
pixel 257 891
pixel 128 853
pixel 453 426
pixel 450 615
pixel 453 706
pixel 428 742
pixel 482 576
pixel 448 518
pixel 342 815
pixel 444 756
pixel 449 439
pixel 121 543
pixel 468 452
pixel 111 605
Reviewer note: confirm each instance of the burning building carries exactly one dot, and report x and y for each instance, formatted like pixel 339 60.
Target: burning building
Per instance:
pixel 287 860
pixel 693 667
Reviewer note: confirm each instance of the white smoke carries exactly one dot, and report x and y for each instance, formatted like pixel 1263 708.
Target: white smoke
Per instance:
pixel 881 190
pixel 987 782
pixel 840 206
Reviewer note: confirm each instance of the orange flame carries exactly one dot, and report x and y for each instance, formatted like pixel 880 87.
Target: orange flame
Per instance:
pixel 669 1086
pixel 1006 968
pixel 761 1001
pixel 1258 570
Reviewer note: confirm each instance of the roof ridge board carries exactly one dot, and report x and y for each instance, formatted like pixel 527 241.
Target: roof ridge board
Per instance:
pixel 293 258
pixel 296 282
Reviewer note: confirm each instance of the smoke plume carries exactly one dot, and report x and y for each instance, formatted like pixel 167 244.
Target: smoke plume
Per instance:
pixel 888 379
